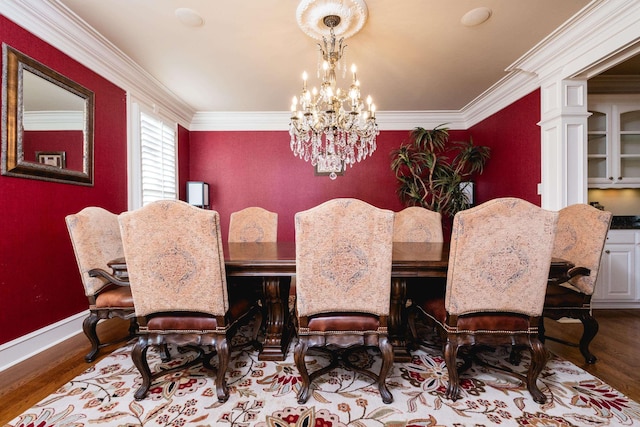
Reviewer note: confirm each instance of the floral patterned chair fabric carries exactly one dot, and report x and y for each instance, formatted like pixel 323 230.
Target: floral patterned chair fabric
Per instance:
pixel 343 269
pixel 499 264
pixel 176 270
pixel 580 238
pixel 253 224
pixel 95 236
pixel 417 224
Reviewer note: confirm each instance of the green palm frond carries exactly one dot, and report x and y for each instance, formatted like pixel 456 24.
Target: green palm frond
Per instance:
pixel 427 177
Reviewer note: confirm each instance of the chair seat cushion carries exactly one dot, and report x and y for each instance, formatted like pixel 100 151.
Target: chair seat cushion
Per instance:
pixel 562 296
pixel 178 322
pixel 115 297
pixel 199 322
pixel 343 322
pixel 434 308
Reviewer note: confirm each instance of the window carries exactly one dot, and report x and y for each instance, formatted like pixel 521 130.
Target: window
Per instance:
pixel 153 159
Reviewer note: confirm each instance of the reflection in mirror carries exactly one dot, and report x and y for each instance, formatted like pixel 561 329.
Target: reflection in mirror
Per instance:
pixel 47 123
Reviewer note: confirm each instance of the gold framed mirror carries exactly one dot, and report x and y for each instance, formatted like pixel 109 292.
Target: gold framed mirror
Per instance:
pixel 47 122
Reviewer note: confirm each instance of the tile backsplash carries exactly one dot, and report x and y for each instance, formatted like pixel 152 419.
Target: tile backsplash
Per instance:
pixel 625 201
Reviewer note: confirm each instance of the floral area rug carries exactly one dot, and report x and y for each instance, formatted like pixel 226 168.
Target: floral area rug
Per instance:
pixel 263 394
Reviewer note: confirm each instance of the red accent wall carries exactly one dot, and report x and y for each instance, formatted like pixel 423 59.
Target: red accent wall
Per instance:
pixel 39 279
pixel 258 169
pixel 514 137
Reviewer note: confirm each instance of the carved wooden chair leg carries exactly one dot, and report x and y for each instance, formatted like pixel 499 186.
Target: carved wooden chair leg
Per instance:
pixel 133 327
pixel 387 363
pixel 222 349
pixel 299 355
pixel 165 355
pixel 139 357
pixel 539 358
pixel 450 358
pixel 590 329
pixel 89 327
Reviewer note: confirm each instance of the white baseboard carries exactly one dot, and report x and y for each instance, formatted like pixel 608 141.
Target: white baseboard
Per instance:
pixel 31 344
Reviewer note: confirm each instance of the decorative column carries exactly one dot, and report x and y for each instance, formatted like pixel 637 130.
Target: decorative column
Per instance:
pixel 564 142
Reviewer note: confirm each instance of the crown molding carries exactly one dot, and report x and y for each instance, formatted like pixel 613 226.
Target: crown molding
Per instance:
pixel 505 92
pixel 240 120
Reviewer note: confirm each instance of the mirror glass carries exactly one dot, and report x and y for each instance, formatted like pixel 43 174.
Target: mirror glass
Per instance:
pixel 47 123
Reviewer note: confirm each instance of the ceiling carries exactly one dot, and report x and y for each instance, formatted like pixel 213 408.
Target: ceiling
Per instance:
pixel 412 55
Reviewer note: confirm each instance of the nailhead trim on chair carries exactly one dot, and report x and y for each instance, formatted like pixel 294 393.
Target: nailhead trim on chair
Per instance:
pixel 307 331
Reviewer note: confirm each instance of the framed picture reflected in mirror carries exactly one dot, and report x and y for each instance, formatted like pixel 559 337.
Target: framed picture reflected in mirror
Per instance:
pixel 51 158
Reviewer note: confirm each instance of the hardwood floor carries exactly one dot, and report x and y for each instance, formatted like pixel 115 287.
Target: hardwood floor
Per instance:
pixel 617 347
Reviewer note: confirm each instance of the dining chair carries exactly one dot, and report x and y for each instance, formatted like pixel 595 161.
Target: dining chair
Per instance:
pixel 417 224
pixel 580 238
pixel 95 237
pixel 499 262
pixel 343 269
pixel 176 269
pixel 253 224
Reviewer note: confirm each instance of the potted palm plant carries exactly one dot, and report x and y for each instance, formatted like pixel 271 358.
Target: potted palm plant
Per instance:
pixel 432 172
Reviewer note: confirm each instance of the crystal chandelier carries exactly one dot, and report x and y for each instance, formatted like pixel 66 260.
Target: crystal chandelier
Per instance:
pixel 331 127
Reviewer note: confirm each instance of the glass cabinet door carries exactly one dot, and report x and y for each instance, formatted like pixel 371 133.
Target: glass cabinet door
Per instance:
pixel 630 144
pixel 598 146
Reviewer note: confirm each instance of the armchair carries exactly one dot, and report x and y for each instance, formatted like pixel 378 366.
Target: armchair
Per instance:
pixel 95 236
pixel 343 269
pixel 177 277
pixel 499 264
pixel 582 232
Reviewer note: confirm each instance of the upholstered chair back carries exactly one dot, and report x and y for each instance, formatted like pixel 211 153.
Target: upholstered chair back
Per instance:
pixel 180 268
pixel 95 236
pixel 343 258
pixel 580 238
pixel 253 224
pixel 417 224
pixel 500 257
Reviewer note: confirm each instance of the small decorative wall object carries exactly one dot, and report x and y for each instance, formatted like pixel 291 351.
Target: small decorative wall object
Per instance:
pixel 198 194
pixel 467 190
pixel 52 158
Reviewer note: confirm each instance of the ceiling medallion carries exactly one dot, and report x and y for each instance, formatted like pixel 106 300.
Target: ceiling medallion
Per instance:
pixel 311 13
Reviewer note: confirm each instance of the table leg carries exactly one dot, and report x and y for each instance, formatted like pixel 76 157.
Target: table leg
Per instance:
pixel 278 325
pixel 398 320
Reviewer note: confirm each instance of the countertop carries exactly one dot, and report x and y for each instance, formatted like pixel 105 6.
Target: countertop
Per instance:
pixel 625 222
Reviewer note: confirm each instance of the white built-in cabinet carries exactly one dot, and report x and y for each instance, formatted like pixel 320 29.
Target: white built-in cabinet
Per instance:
pixel 618 285
pixel 613 154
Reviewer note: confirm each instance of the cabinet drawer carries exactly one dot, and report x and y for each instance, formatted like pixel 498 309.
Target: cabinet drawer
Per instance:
pixel 622 237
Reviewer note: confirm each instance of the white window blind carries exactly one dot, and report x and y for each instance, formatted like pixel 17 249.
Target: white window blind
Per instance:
pixel 158 159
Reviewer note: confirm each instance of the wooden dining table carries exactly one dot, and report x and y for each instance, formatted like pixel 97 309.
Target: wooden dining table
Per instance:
pixel 275 263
